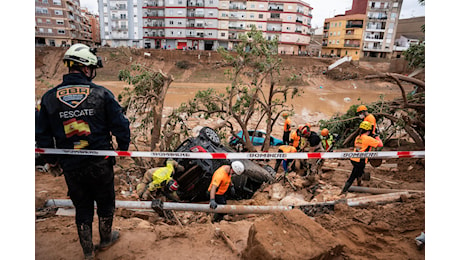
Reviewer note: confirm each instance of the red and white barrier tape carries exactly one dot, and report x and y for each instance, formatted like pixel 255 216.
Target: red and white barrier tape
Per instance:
pixel 231 156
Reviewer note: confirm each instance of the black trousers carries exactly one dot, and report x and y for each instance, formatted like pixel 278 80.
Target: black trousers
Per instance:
pixel 90 183
pixel 286 137
pixel 358 170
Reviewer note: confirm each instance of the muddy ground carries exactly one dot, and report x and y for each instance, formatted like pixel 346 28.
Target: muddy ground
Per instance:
pixel 342 232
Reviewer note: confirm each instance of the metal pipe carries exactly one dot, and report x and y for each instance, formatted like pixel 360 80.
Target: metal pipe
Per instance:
pixel 239 209
pixel 235 209
pixel 379 199
pixel 378 191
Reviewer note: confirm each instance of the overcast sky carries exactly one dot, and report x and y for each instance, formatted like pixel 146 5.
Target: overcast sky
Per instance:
pixel 322 9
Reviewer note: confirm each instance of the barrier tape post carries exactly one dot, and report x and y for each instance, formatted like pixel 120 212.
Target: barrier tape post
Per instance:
pixel 233 156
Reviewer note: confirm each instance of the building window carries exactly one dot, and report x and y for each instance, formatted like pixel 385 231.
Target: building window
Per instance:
pixel 61 31
pixel 60 22
pixel 58 12
pixel 41 30
pixel 261 16
pixel 171 22
pixel 222 34
pixel 395 4
pixel 337 42
pixel 251 15
pixel 50 30
pixel 39 20
pixel 57 2
pixel 41 10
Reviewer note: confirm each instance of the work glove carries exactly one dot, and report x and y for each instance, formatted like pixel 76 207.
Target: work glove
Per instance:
pixel 213 204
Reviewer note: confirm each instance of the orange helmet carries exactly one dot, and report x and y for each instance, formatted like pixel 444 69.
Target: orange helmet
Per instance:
pixel 285 114
pixel 361 108
pixel 324 132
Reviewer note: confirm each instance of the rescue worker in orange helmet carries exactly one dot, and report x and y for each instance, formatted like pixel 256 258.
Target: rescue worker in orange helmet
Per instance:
pixel 363 143
pixel 366 116
pixel 286 128
pixel 220 182
pixel 327 139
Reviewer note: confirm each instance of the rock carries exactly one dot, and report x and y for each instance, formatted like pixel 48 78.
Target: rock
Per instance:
pixel 293 199
pixel 273 238
pixel 277 192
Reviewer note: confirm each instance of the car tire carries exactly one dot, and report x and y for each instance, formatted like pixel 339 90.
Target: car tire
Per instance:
pixel 256 172
pixel 270 170
pixel 210 135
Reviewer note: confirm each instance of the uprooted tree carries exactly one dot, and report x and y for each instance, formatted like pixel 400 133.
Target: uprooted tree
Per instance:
pixel 144 102
pixel 404 114
pixel 253 94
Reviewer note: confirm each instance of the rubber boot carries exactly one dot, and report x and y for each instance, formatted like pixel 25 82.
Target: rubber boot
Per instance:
pixel 346 187
pixel 358 180
pixel 108 237
pixel 85 234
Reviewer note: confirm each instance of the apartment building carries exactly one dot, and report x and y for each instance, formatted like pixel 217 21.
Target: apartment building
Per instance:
pixel 342 35
pixel 60 23
pixel 94 24
pixel 380 31
pixel 206 24
pixel 120 22
pixel 365 31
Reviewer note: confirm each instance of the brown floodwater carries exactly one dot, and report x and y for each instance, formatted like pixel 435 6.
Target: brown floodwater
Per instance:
pixel 321 98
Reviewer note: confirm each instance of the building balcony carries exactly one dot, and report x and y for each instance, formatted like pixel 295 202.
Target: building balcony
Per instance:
pixel 237 7
pixel 193 4
pixel 276 8
pixel 375 29
pixel 373 48
pixel 324 44
pixel 274 20
pixel 377 18
pixel 153 4
pixel 352 45
pixel 354 25
pixel 352 36
pixel 119 28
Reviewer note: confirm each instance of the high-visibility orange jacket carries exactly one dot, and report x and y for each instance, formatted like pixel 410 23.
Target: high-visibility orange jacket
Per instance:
pixel 287 125
pixel 222 179
pixel 364 143
pixel 287 149
pixel 371 119
pixel 295 139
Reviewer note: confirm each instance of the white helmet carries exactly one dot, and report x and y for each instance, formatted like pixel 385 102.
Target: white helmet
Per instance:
pixel 238 167
pixel 80 53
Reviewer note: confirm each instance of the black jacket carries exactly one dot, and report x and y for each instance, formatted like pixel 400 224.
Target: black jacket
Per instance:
pixel 78 114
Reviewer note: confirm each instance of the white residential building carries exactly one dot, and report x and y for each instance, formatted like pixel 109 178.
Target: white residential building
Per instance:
pixel 204 24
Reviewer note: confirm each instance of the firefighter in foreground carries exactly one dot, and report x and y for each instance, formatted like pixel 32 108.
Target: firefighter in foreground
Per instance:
pixel 78 114
pixel 363 143
pixel 221 181
pixel 160 180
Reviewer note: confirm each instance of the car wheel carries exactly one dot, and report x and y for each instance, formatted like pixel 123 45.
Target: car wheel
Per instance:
pixel 210 134
pixel 270 170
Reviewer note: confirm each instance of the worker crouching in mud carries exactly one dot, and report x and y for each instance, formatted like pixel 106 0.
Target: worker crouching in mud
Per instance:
pixel 363 143
pixel 220 182
pixel 160 180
